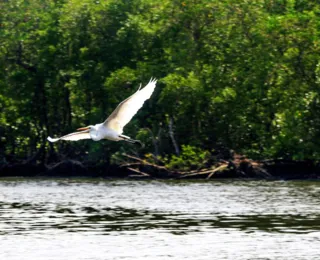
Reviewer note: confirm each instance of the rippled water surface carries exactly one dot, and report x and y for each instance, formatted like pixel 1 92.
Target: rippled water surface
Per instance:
pixel 98 219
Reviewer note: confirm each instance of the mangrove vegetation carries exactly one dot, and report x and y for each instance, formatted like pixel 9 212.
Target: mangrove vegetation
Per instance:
pixel 236 78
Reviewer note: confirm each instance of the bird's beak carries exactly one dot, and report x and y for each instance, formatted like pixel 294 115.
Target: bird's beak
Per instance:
pixel 83 128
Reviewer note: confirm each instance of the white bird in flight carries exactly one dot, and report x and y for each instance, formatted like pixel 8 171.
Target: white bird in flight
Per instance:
pixel 112 127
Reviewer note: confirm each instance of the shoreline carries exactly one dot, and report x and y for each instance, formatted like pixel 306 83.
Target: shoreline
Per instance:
pixel 237 169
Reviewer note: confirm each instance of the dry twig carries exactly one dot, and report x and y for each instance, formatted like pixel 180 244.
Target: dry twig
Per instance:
pixel 137 171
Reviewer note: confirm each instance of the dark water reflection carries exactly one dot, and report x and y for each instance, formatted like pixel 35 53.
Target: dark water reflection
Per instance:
pixel 204 212
pixel 27 217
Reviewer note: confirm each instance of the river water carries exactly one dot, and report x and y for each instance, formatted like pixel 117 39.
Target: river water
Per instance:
pixel 123 219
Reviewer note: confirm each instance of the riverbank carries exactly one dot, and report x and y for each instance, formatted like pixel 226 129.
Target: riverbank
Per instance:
pixel 241 168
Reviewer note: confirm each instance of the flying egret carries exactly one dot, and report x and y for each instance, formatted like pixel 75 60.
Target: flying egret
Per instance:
pixel 112 127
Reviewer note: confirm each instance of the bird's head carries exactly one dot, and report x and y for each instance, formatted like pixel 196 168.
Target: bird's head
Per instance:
pixel 92 130
pixel 89 127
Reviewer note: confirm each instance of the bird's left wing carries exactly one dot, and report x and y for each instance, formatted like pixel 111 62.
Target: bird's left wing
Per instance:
pixel 72 137
pixel 129 107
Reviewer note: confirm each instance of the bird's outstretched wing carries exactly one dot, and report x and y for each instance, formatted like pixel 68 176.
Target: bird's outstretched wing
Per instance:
pixel 129 107
pixel 72 137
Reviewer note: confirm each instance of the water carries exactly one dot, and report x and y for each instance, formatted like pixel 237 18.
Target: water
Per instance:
pixel 97 220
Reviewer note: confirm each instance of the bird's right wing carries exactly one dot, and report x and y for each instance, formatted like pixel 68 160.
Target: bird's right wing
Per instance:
pixel 129 107
pixel 72 137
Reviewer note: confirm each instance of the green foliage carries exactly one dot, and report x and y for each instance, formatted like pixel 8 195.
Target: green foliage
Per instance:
pixel 190 158
pixel 237 74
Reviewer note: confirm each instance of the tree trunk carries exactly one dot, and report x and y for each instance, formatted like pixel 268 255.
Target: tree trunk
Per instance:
pixel 174 142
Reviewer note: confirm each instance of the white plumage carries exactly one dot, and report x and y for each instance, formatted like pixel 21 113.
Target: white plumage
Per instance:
pixel 112 127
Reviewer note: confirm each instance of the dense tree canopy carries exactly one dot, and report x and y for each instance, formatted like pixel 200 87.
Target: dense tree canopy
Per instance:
pixel 236 74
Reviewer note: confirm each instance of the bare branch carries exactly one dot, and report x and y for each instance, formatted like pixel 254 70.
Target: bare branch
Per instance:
pixel 174 142
pixel 137 171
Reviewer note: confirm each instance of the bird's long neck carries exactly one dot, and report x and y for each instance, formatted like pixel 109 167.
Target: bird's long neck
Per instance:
pixel 95 132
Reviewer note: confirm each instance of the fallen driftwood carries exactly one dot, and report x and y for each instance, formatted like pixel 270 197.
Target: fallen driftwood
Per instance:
pixel 206 171
pixel 151 167
pixel 137 171
pixel 155 170
pixel 140 162
pixel 238 167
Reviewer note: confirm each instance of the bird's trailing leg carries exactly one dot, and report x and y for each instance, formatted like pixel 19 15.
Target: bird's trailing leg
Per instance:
pixel 129 140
